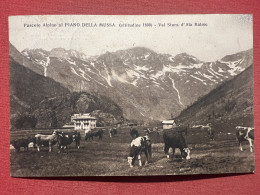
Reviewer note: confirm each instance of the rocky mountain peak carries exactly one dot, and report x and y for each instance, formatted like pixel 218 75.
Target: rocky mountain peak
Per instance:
pixel 66 54
pixel 185 59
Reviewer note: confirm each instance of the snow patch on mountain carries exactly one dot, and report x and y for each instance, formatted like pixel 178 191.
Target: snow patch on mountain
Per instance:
pixel 74 71
pixel 46 65
pixel 71 62
pixel 199 79
pixel 144 68
pixel 178 93
pixel 108 77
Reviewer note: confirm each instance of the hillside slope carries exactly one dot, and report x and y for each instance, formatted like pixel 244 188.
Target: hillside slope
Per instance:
pixel 40 102
pixel 27 90
pixel 231 102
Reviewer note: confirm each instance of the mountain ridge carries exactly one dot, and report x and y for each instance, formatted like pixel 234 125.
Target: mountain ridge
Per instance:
pixel 146 85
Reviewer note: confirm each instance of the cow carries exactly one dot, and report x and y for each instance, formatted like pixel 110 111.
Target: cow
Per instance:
pixel 175 140
pixel 92 134
pixel 137 147
pixel 150 131
pixel 208 129
pixel 112 132
pixel 64 140
pixel 245 134
pixel 181 129
pixel 46 140
pixel 76 138
pixel 134 133
pixel 17 144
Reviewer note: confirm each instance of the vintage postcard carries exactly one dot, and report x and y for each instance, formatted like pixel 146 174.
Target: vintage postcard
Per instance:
pixel 119 95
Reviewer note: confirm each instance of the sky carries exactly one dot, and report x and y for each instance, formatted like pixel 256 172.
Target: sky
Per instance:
pixel 223 35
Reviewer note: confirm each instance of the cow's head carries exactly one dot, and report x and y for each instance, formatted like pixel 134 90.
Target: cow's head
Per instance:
pixel 130 161
pixel 186 153
pixel 55 132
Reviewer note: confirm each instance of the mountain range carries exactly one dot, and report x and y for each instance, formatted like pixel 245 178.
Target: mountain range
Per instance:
pixel 145 85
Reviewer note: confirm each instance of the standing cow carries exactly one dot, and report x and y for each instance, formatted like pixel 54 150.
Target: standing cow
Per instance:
pixel 17 144
pixel 112 132
pixel 175 140
pixel 94 133
pixel 76 138
pixel 46 140
pixel 138 146
pixel 208 129
pixel 63 141
pixel 245 134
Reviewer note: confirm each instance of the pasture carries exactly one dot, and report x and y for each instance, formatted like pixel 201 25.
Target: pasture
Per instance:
pixel 109 156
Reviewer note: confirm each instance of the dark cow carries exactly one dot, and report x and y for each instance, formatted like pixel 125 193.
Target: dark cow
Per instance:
pixel 245 134
pixel 17 144
pixel 181 129
pixel 92 134
pixel 138 146
pixel 112 132
pixel 175 140
pixel 76 138
pixel 64 140
pixel 134 133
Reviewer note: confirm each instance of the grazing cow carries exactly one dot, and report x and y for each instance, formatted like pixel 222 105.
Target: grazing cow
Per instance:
pixel 245 134
pixel 112 132
pixel 138 146
pixel 46 140
pixel 17 144
pixel 175 140
pixel 92 134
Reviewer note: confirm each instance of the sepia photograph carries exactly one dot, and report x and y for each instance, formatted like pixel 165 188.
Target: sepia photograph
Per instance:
pixel 128 95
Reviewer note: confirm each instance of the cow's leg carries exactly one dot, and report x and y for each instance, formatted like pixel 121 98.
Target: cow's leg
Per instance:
pixel 250 144
pixel 146 156
pixel 170 153
pixel 78 143
pixel 133 161
pixel 38 147
pixel 240 145
pixel 173 152
pixel 166 150
pixel 150 151
pixel 49 146
pixel 140 160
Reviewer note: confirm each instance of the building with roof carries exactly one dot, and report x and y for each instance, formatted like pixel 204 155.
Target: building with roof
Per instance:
pixel 84 122
pixel 168 124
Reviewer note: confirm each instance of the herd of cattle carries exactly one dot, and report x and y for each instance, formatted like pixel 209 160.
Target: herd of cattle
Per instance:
pixel 140 144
